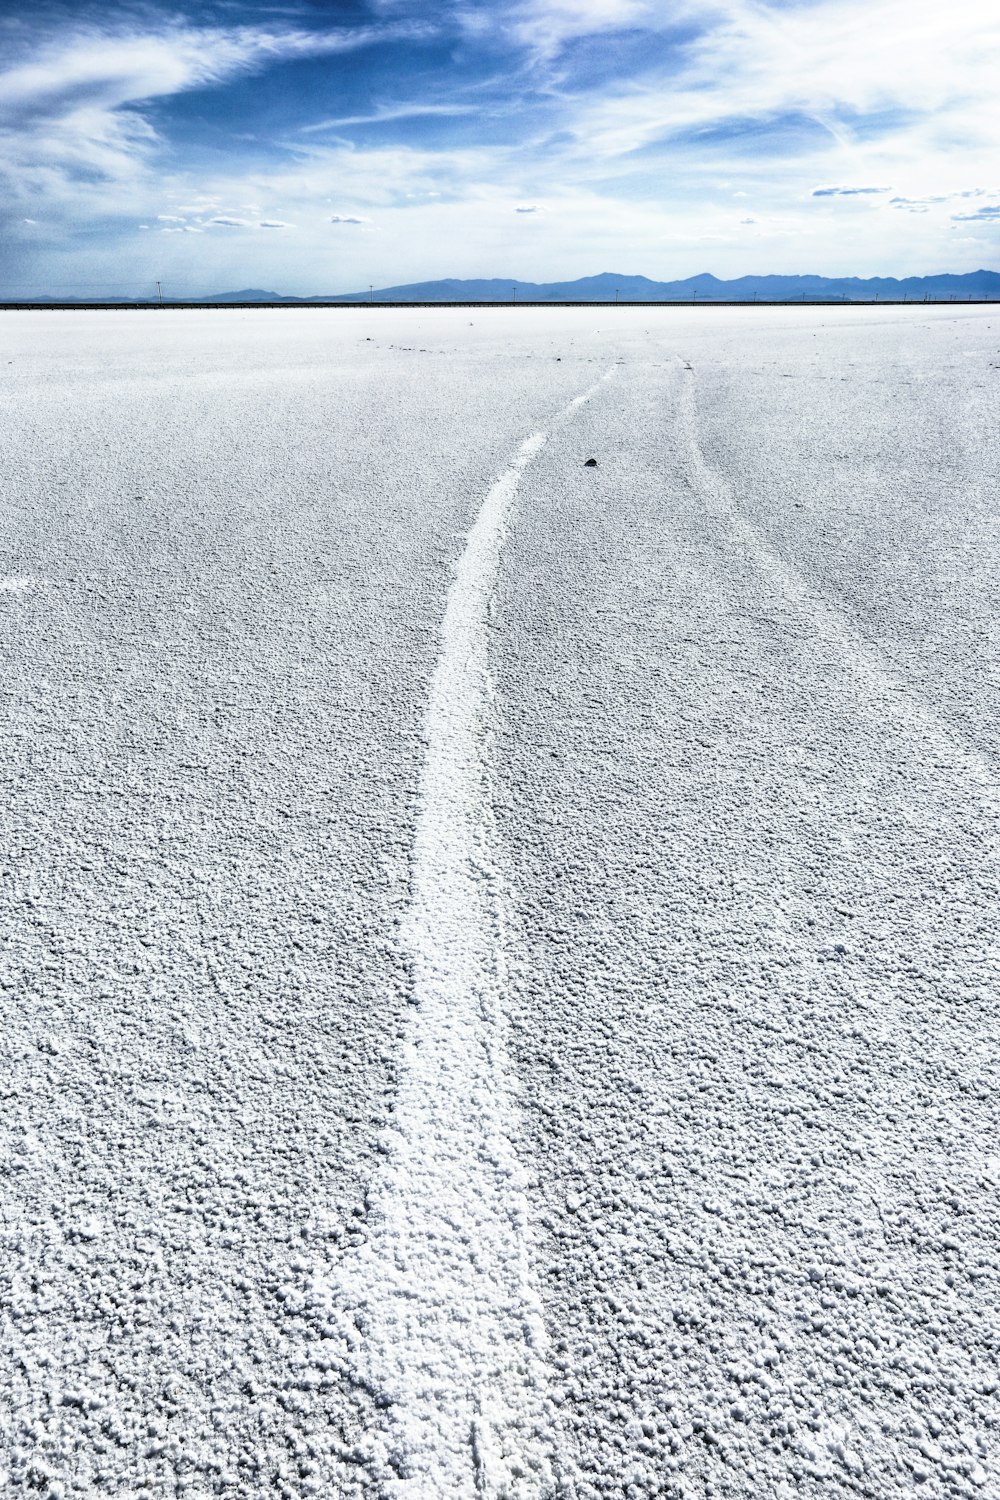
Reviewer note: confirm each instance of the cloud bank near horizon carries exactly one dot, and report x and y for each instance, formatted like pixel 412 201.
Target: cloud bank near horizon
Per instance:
pixel 393 141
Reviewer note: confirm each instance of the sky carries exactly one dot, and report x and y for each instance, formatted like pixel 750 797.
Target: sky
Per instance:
pixel 311 148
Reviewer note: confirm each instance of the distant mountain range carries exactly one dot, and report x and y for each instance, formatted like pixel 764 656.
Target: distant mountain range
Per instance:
pixel 609 287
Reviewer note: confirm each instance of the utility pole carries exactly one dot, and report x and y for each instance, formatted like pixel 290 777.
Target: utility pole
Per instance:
pixel 371 292
pixel 513 294
pixel 159 294
pixel 616 296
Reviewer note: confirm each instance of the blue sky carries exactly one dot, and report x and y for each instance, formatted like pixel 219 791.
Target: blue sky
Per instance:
pixel 312 147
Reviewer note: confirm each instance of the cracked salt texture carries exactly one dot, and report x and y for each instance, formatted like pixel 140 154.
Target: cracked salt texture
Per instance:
pixel 742 744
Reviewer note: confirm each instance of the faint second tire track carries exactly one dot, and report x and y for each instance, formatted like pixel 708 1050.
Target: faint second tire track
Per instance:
pixel 895 697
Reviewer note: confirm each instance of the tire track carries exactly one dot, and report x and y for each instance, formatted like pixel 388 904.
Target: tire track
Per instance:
pixel 894 696
pixel 440 1308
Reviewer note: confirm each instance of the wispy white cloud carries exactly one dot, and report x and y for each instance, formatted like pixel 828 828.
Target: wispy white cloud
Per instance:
pixel 824 62
pixel 110 70
pixel 545 26
pixel 178 225
pixel 847 192
pixel 635 146
pixel 75 110
pixel 988 214
pixel 390 114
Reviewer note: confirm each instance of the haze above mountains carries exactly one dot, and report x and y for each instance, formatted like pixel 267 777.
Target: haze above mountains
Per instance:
pixel 609 287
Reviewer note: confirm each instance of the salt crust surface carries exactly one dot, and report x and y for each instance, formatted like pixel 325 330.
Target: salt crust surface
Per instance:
pixel 737 818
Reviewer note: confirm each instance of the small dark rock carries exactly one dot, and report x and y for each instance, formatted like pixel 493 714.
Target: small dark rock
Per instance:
pixel 591 463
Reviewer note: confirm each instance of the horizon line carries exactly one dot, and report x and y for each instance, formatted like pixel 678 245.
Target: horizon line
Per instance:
pixel 318 304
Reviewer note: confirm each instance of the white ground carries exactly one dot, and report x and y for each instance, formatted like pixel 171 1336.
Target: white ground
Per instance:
pixel 500 958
